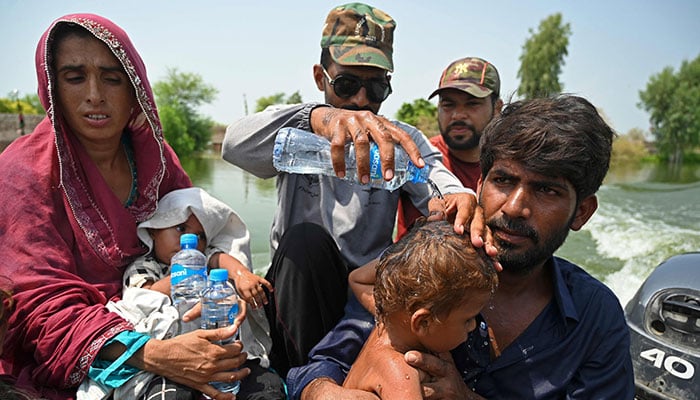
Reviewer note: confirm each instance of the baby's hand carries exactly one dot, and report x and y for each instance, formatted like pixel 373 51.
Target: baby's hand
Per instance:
pixel 250 288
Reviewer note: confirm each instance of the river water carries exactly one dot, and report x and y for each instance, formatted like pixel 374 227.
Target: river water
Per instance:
pixel 645 215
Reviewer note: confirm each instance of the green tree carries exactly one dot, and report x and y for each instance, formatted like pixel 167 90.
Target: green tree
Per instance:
pixel 543 57
pixel 629 148
pixel 294 98
pixel 422 114
pixel 179 97
pixel 175 129
pixel 8 106
pixel 673 101
pixel 263 102
pixel 29 104
pixel 35 107
pixel 277 98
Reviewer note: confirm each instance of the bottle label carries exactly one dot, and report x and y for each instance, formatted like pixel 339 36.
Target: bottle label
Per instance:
pixel 375 162
pixel 232 313
pixel 178 273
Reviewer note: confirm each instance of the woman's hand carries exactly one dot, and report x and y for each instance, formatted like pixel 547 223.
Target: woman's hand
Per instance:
pixel 192 359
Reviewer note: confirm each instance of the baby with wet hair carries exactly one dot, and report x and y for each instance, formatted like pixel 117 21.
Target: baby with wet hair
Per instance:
pixel 428 289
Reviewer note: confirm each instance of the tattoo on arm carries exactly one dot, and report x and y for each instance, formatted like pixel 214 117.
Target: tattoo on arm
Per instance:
pixel 330 113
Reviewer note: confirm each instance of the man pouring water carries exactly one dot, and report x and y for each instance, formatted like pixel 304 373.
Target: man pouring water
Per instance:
pixel 324 226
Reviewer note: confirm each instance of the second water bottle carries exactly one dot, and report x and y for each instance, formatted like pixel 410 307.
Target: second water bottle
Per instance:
pixel 220 309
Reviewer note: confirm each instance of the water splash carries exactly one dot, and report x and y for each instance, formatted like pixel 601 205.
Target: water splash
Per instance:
pixel 638 228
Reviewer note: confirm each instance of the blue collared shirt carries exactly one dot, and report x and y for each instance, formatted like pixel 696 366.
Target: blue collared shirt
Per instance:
pixel 577 348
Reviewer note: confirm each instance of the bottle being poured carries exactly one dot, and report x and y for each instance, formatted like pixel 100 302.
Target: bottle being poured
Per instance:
pixel 300 152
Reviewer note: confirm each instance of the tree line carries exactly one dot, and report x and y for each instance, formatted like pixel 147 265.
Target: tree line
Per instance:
pixel 672 99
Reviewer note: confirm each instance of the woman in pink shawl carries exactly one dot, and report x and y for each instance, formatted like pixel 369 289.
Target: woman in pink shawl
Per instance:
pixel 72 194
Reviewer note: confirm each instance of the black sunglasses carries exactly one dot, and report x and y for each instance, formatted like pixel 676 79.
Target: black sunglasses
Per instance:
pixel 346 86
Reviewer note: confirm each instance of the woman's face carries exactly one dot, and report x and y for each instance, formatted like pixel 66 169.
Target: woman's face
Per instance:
pixel 93 92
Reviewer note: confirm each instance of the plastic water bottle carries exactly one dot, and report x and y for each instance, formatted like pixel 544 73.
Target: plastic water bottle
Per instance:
pixel 188 278
pixel 301 152
pixel 219 309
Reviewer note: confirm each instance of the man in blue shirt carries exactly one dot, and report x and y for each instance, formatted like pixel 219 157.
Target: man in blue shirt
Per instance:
pixel 551 330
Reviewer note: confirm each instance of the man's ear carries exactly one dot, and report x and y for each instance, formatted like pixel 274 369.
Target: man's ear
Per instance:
pixel 319 77
pixel 584 212
pixel 420 321
pixel 497 107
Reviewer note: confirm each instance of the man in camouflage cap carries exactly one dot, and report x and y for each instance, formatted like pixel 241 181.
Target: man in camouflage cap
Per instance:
pixel 472 75
pixel 469 98
pixel 358 34
pixel 325 227
pixel 356 57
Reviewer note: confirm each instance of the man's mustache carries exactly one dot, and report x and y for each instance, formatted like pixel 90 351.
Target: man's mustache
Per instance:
pixel 461 124
pixel 517 227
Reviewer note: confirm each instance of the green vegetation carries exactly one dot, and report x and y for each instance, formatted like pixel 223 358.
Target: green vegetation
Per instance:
pixel 672 98
pixel 422 114
pixel 278 98
pixel 29 104
pixel 178 97
pixel 630 148
pixel 673 101
pixel 542 58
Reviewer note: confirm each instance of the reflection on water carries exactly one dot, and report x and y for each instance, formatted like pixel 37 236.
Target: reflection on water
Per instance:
pixel 635 173
pixel 252 198
pixel 645 215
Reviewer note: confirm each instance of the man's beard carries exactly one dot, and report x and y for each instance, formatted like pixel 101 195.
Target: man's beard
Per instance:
pixel 523 261
pixel 471 143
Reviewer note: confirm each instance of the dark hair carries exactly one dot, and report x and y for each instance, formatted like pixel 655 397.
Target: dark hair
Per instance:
pixel 494 98
pixel 431 267
pixel 325 58
pixel 561 136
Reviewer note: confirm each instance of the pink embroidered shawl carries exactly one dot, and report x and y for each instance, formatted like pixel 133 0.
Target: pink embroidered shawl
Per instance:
pixel 66 238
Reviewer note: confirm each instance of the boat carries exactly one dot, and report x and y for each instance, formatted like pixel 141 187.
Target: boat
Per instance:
pixel 664 321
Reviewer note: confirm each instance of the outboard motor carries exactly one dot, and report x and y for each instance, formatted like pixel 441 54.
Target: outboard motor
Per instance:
pixel 664 321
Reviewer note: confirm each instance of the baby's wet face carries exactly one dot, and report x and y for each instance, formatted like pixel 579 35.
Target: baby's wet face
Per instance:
pixel 449 332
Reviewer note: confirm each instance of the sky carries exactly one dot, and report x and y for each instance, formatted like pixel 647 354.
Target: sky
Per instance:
pixel 252 49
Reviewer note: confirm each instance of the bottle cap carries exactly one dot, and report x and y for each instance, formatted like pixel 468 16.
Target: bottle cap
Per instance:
pixel 218 275
pixel 188 241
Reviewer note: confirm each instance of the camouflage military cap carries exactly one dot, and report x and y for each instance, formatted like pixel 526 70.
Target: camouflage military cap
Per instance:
pixel 472 75
pixel 359 35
